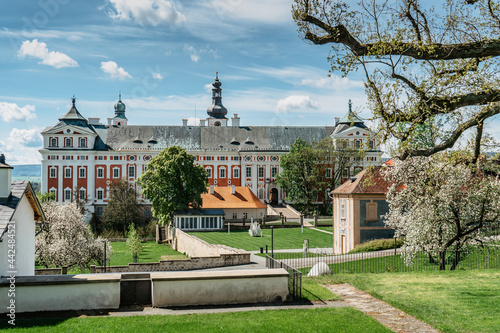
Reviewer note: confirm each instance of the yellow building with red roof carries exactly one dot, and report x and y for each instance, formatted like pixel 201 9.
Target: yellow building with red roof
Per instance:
pixel 238 202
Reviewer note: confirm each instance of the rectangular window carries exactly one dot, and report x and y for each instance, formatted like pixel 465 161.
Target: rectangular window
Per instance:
pixel 67 195
pixel 67 172
pixel 274 171
pixel 100 173
pixel 235 216
pixel 99 194
pixel 116 158
pixel 83 158
pixel 53 142
pixel 208 158
pixel 209 172
pixel 82 172
pixel 53 190
pixel 223 158
pixel 67 157
pixel 131 171
pixel 100 158
pixel 68 142
pixel 328 173
pixel 53 173
pixel 52 157
pixel 82 194
pixel 236 173
pixel 245 215
pixel 249 172
pixel 236 158
pixel 116 173
pixel 261 172
pixel 342 210
pixel 222 173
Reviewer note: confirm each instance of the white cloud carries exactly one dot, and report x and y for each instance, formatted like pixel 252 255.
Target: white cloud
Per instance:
pixel 39 50
pixel 111 68
pixel 157 76
pixel 262 11
pixel 333 82
pixel 146 12
pixel 295 102
pixel 11 111
pixel 21 146
pixel 195 54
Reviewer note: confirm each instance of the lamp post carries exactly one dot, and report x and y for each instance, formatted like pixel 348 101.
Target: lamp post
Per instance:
pixel 104 242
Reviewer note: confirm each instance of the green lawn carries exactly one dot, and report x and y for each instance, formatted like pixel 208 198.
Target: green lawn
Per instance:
pixel 152 252
pixel 458 301
pixel 300 320
pixel 330 229
pixel 286 238
pixel 325 223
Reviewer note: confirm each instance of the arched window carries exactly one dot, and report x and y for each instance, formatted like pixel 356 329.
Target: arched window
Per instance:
pixel 357 144
pixel 372 144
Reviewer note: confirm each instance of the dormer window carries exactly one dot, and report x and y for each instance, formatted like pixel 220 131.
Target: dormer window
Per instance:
pixel 83 142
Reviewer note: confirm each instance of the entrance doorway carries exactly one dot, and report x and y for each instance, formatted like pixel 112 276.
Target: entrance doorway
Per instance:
pixel 274 196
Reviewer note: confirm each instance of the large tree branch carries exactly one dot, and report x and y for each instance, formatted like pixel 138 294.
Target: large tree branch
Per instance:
pixel 422 51
pixel 487 112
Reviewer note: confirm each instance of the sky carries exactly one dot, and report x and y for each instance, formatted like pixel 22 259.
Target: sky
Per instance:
pixel 162 55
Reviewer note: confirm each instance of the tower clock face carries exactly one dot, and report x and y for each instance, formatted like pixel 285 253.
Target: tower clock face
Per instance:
pixel 217 123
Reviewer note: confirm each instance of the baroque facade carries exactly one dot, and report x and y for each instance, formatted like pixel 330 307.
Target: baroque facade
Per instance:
pixel 80 156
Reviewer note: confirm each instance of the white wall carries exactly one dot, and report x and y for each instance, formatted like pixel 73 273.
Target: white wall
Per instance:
pixel 24 227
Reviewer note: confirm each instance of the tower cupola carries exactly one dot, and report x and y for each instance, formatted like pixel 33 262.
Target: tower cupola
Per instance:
pixel 217 110
pixel 119 119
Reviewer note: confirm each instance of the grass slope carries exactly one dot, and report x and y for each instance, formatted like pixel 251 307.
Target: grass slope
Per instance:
pixel 459 301
pixel 152 252
pixel 314 320
pixel 287 238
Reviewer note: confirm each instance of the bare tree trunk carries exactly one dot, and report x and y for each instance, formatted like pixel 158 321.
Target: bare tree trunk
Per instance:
pixel 442 260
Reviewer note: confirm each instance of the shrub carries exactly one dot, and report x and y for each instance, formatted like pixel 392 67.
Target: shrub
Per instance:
pixel 377 245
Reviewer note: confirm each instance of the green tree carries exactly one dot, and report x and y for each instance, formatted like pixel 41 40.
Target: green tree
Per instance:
pixel 332 157
pixel 133 242
pixel 425 64
pixel 123 208
pixel 172 182
pixel 299 174
pixel 46 197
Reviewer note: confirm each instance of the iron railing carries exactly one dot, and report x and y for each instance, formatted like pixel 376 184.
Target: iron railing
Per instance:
pixel 487 257
pixel 294 276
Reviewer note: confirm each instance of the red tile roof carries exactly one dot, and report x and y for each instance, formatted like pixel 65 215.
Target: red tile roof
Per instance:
pixel 368 181
pixel 222 198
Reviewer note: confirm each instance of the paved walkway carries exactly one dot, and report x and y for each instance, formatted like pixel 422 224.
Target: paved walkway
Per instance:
pixel 390 317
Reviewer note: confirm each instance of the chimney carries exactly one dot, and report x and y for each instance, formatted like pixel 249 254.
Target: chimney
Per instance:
pixel 184 122
pixel 337 119
pixel 235 120
pixel 94 121
pixel 233 189
pixel 5 179
pixel 211 189
pixel 202 122
pixel 109 121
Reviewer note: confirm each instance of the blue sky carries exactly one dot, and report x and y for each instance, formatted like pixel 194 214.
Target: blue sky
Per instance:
pixel 162 55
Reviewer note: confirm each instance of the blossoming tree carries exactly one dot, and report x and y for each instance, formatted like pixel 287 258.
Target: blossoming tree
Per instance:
pixel 438 205
pixel 68 241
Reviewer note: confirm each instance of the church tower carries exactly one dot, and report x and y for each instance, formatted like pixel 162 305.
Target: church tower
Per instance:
pixel 217 112
pixel 119 119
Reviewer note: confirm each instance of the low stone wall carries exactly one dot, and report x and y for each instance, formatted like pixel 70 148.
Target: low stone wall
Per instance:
pixel 61 292
pixel 179 265
pixel 47 271
pixel 219 287
pixel 102 291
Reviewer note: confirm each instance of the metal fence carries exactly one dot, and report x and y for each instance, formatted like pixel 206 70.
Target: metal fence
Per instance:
pixel 294 276
pixel 392 261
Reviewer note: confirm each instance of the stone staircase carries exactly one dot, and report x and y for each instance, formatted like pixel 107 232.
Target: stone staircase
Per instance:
pixel 288 213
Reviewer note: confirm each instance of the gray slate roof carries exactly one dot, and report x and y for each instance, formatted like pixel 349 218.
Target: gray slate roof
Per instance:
pixel 251 138
pixel 7 209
